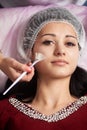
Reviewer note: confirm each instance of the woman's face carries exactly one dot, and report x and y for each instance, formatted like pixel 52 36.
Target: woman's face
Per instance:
pixel 58 42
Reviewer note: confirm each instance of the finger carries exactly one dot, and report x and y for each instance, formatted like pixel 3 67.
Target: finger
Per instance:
pixel 13 75
pixel 27 77
pixel 20 67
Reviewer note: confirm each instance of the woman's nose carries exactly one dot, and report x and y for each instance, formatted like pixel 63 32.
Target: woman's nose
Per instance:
pixel 59 50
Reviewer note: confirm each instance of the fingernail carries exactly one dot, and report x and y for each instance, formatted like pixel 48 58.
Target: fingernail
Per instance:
pixel 29 69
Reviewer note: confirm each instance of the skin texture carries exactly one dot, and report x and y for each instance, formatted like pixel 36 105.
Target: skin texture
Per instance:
pixel 58 42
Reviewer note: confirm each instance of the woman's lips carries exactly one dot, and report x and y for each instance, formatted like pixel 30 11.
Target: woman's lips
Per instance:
pixel 60 62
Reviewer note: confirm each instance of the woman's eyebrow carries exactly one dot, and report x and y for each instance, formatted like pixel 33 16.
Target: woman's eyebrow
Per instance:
pixel 48 34
pixel 71 36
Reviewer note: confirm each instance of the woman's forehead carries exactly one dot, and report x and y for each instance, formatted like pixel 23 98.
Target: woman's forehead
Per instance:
pixel 61 27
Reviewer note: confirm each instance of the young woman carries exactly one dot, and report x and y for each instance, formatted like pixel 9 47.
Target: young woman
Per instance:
pixel 55 98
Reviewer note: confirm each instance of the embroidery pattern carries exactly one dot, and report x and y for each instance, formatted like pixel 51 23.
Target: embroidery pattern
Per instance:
pixel 62 114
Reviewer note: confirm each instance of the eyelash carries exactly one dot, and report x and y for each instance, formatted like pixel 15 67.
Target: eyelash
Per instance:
pixel 70 44
pixel 48 42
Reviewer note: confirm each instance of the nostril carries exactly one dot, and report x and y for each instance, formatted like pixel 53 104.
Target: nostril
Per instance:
pixel 59 49
pixel 59 53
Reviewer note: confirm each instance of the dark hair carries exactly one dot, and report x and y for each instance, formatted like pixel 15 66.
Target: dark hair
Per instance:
pixel 26 91
pixel 78 82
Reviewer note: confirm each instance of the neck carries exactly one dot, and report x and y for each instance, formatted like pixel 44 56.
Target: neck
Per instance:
pixel 52 94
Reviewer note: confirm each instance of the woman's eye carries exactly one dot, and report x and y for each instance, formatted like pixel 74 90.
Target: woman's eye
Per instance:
pixel 70 44
pixel 47 42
